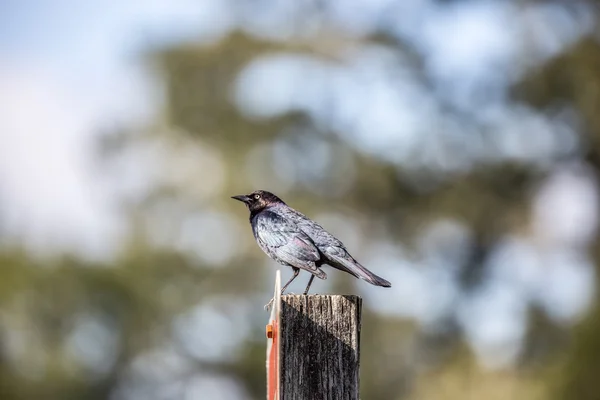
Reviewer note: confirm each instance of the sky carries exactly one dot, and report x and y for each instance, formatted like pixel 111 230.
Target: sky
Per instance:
pixel 76 67
pixel 70 72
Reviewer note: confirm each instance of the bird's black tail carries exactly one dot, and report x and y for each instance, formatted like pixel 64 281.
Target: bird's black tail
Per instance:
pixel 353 267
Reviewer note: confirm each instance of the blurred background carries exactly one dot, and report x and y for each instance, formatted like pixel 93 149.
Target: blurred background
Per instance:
pixel 453 146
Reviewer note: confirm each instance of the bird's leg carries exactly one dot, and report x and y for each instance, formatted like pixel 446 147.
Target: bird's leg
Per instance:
pixel 308 286
pixel 296 272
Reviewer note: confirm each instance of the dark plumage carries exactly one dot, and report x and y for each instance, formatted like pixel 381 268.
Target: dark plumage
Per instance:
pixel 292 239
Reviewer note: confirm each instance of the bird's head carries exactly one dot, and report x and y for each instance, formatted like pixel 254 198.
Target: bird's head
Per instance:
pixel 258 200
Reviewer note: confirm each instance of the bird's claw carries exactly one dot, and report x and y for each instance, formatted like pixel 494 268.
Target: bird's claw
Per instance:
pixel 269 304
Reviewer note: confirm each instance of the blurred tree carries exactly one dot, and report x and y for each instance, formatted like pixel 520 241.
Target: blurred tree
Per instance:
pixel 71 329
pixel 573 78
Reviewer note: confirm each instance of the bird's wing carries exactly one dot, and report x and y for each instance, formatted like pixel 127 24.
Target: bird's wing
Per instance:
pixel 319 236
pixel 286 241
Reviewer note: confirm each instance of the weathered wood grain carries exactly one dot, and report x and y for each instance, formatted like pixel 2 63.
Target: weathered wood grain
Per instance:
pixel 320 347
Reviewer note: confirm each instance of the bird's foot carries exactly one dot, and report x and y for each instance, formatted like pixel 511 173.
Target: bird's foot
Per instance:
pixel 269 304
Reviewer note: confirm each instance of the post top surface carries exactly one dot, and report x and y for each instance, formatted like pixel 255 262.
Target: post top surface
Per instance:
pixel 320 296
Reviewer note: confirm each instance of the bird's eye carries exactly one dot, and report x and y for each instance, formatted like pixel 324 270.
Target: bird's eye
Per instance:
pixel 257 196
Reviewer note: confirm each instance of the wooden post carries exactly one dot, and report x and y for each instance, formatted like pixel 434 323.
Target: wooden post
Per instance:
pixel 319 345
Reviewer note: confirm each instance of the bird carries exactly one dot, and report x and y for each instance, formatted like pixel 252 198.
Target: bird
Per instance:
pixel 292 239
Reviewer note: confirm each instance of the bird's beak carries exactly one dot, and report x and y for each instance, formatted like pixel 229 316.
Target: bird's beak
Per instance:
pixel 242 197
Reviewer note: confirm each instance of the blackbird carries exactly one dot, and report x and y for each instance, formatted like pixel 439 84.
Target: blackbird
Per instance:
pixel 292 239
